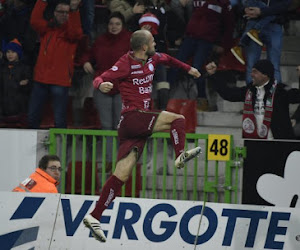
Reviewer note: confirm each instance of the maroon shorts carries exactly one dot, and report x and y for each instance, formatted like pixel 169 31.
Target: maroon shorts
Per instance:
pixel 133 130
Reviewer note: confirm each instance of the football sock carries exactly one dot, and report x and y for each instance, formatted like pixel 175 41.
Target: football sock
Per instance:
pixel 111 189
pixel 177 134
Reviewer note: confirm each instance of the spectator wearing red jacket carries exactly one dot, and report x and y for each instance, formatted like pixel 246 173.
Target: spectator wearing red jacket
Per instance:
pixel 54 68
pixel 106 50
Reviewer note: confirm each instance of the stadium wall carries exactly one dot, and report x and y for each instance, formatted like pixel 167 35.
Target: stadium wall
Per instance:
pixel 54 221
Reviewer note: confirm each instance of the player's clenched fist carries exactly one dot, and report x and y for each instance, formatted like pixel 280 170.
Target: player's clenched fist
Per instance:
pixel 105 87
pixel 194 72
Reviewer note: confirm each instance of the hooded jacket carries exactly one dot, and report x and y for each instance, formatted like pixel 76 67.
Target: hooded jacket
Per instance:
pixel 55 63
pixel 38 182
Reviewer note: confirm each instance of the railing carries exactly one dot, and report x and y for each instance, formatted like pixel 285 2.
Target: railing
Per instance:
pixel 216 181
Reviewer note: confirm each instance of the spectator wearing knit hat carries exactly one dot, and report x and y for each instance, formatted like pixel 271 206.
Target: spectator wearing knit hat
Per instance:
pixel 266 103
pixel 14 86
pixel 15 23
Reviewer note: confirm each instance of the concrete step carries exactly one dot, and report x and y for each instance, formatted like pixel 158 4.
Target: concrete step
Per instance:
pixel 289 75
pixel 294 28
pixel 291 43
pixel 229 107
pixel 220 119
pixel 235 132
pixel 289 58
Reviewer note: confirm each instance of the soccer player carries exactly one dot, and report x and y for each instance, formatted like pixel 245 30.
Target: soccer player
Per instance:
pixel 133 73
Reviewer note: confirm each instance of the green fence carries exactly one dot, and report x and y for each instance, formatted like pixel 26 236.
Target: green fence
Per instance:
pixel 201 179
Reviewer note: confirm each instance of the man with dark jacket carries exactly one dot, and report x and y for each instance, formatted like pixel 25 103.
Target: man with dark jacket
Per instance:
pixel 266 103
pixel 54 68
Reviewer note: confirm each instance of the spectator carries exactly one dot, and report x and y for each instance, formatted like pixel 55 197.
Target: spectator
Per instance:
pixel 210 28
pixel 252 31
pixel 131 10
pixel 266 103
pixel 271 36
pixel 106 50
pixel 178 15
pixel 15 23
pixel 45 178
pixel 15 86
pixel 54 68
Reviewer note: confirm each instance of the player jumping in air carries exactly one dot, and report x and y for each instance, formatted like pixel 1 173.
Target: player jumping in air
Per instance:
pixel 133 73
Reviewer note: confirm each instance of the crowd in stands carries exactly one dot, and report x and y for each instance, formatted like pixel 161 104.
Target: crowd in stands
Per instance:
pixel 51 46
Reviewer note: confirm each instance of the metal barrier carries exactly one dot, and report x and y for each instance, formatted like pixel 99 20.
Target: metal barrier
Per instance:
pixel 216 181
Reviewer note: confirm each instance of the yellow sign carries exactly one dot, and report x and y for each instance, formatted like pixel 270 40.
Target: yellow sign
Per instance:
pixel 218 148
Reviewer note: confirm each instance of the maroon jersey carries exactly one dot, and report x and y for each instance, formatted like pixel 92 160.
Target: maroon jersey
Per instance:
pixel 135 78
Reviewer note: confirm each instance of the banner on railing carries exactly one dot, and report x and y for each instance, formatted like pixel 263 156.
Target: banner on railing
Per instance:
pixel 51 221
pixel 271 174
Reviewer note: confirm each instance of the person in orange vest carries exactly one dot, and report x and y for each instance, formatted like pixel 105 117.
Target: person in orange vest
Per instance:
pixel 45 178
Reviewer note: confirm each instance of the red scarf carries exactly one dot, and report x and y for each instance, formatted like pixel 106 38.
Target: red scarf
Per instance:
pixel 250 129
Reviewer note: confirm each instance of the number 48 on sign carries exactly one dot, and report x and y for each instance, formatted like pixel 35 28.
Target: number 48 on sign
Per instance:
pixel 219 147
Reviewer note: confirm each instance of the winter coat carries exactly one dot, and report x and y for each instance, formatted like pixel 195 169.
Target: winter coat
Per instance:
pixel 38 182
pixel 13 96
pixel 55 63
pixel 212 20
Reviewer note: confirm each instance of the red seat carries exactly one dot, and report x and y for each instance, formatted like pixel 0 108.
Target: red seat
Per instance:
pixel 187 108
pixel 78 177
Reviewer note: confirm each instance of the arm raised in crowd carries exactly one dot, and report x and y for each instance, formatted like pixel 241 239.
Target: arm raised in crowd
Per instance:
pixel 37 21
pixel 232 94
pixel 74 30
pixel 125 9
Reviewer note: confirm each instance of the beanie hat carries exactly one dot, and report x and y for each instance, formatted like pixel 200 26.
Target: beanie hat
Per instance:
pixel 265 67
pixel 15 46
pixel 152 20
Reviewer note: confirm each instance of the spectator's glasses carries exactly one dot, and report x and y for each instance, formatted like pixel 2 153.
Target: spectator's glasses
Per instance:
pixel 53 168
pixel 62 12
